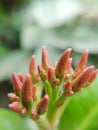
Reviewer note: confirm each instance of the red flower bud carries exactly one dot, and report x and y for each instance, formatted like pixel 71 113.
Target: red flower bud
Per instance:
pixel 57 81
pixel 93 76
pixel 40 69
pixel 82 62
pixel 15 106
pixel 27 90
pixel 17 85
pixel 61 67
pixel 35 114
pixel 32 68
pixel 45 58
pixel 42 105
pixel 21 77
pixel 70 93
pixel 34 92
pixel 13 97
pixel 42 74
pixel 51 74
pixel 69 64
pixel 67 85
pixel 67 76
pixel 82 79
pixel 23 111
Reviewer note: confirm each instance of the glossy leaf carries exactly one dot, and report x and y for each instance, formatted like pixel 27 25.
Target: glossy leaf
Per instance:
pixel 12 121
pixel 82 110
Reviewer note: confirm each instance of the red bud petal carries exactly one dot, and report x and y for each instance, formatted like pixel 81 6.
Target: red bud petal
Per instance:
pixel 27 90
pixel 51 74
pixel 81 80
pixel 13 97
pixel 82 62
pixel 17 85
pixel 93 76
pixel 45 58
pixel 62 64
pixel 42 105
pixel 32 68
pixel 15 106
pixel 21 77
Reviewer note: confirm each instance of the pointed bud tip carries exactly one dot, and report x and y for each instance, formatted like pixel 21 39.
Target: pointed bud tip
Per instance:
pixel 61 67
pixel 32 67
pixel 46 97
pixel 45 58
pixel 40 69
pixel 91 67
pixel 69 49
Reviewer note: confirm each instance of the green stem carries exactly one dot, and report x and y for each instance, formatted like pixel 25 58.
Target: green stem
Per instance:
pixel 43 124
pixel 47 88
pixel 54 113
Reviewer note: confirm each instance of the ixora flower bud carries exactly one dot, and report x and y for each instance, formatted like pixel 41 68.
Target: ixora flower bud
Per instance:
pixel 42 73
pixel 45 58
pixel 82 79
pixel 32 67
pixel 61 67
pixel 52 78
pixel 34 93
pixel 82 62
pixel 69 65
pixel 21 77
pixel 34 114
pixel 17 84
pixel 15 106
pixel 42 105
pixel 27 90
pixel 93 76
pixel 13 97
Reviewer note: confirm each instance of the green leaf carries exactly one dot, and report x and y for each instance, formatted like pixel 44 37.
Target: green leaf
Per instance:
pixel 82 110
pixel 12 121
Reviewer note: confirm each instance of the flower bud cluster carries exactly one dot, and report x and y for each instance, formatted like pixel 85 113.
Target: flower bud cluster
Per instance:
pixel 27 96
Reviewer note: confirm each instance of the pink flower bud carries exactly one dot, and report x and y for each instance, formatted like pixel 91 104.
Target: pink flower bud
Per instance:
pixel 42 74
pixel 67 85
pixel 17 85
pixel 93 76
pixel 61 67
pixel 21 77
pixel 69 64
pixel 42 105
pixel 13 97
pixel 82 62
pixel 23 111
pixel 34 92
pixel 82 79
pixel 70 93
pixel 51 74
pixel 45 58
pixel 56 81
pixel 40 69
pixel 67 76
pixel 27 90
pixel 34 114
pixel 15 106
pixel 32 68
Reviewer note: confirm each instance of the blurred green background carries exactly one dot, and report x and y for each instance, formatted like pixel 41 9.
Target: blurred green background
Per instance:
pixel 26 25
